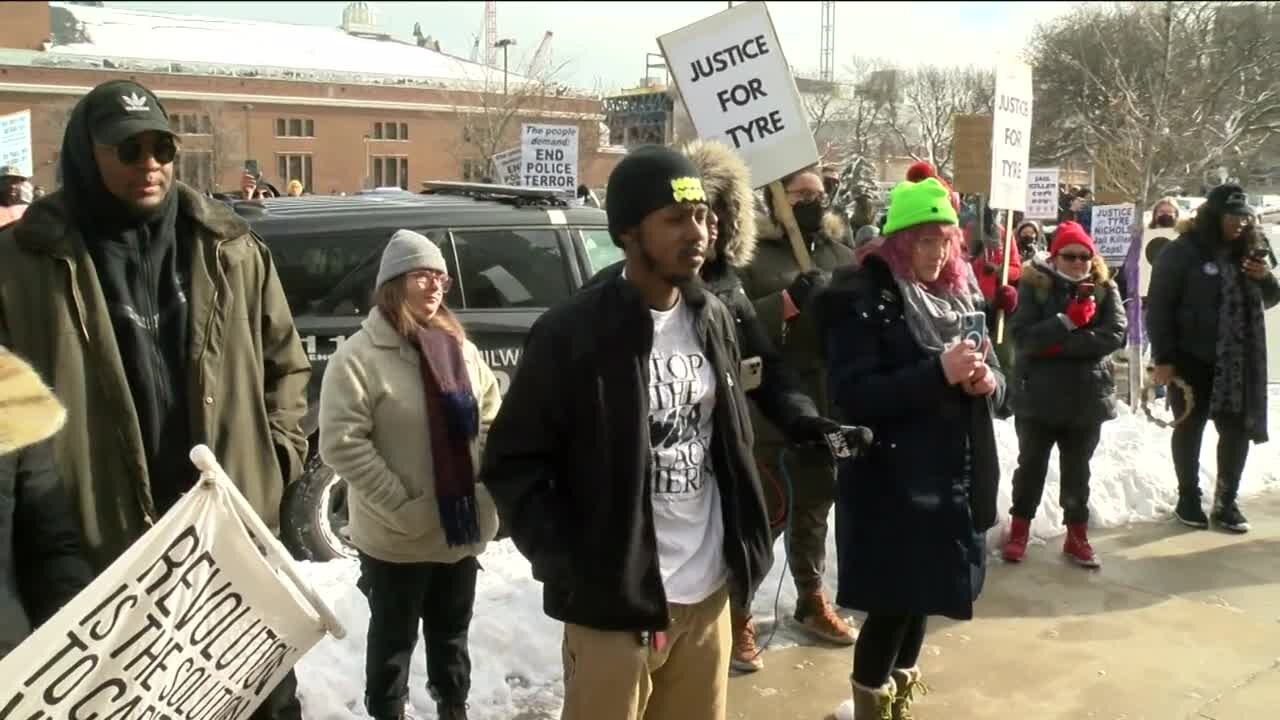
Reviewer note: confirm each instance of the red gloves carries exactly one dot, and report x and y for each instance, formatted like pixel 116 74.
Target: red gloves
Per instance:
pixel 1006 299
pixel 1081 312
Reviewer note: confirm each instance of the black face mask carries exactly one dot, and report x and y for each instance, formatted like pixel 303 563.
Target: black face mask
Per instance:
pixel 1165 221
pixel 808 216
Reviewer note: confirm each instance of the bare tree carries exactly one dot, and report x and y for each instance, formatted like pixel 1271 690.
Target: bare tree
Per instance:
pixel 920 116
pixel 1156 95
pixel 849 116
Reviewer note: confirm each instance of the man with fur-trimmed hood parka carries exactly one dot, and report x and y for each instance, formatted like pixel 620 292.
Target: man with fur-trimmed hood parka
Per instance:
pixel 781 294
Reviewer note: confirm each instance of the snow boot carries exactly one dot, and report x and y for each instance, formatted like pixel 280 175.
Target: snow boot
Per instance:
pixel 820 619
pixel 745 656
pixel 1190 513
pixel 1077 547
pixel 451 711
pixel 1226 513
pixel 1019 534
pixel 907 687
pixel 873 703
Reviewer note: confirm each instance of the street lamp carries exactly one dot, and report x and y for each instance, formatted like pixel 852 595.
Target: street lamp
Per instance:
pixel 504 43
pixel 368 171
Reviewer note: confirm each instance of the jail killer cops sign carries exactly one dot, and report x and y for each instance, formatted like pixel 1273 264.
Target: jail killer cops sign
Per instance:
pixel 191 623
pixel 549 156
pixel 738 88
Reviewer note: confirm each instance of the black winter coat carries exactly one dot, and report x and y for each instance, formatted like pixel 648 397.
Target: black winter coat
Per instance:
pixel 567 460
pixel 1076 385
pixel 912 511
pixel 778 396
pixel 42 565
pixel 1183 301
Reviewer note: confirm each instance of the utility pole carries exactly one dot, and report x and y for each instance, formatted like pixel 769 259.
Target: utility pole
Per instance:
pixel 504 44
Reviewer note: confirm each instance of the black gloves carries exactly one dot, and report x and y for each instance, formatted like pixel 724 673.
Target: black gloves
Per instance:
pixel 805 286
pixel 844 441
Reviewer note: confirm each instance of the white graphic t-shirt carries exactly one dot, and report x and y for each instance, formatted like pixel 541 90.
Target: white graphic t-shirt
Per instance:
pixel 687 517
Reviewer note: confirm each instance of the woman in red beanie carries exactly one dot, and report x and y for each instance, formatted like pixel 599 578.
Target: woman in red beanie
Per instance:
pixel 1069 320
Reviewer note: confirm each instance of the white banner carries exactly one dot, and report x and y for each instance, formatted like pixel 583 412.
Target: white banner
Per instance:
pixel 739 89
pixel 191 622
pixel 507 165
pixel 15 141
pixel 1042 194
pixel 1112 231
pixel 1011 136
pixel 549 157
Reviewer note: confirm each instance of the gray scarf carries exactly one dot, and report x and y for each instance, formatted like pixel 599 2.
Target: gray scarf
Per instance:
pixel 934 320
pixel 1239 375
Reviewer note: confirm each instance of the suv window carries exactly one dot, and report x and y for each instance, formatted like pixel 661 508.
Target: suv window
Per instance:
pixel 601 252
pixel 310 267
pixel 510 268
pixel 354 294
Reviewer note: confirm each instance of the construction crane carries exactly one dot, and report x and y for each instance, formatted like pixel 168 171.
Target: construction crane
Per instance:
pixel 826 61
pixel 540 56
pixel 491 33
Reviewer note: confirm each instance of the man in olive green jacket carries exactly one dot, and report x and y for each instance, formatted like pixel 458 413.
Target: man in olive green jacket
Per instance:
pixel 781 294
pixel 160 322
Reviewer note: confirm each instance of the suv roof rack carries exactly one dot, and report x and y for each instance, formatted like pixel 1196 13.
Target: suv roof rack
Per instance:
pixel 514 194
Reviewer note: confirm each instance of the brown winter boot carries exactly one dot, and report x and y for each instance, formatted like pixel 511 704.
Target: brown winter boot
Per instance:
pixel 907 688
pixel 820 619
pixel 746 656
pixel 873 703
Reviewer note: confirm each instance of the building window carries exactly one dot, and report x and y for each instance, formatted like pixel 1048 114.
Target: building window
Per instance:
pixel 294 167
pixel 195 169
pixel 190 124
pixel 391 172
pixel 295 127
pixel 390 131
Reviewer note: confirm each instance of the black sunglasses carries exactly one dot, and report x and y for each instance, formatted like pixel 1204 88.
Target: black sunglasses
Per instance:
pixel 164 150
pixel 1075 257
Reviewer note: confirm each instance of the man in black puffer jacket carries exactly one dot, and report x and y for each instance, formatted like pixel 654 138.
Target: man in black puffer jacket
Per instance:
pixel 1069 320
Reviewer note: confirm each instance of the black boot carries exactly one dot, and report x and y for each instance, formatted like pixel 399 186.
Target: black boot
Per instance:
pixel 451 711
pixel 1226 514
pixel 1189 512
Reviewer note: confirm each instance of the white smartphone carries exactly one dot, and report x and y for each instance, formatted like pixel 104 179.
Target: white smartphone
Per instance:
pixel 751 373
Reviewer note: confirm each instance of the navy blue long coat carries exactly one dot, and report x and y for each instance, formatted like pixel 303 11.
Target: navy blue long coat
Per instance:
pixel 912 511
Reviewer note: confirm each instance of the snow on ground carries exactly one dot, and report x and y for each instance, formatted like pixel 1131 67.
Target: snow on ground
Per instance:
pixel 516 649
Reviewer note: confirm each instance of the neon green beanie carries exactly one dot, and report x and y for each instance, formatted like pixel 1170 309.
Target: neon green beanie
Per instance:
pixel 917 203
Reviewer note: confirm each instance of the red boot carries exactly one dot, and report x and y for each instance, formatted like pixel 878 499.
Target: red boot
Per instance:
pixel 1016 546
pixel 1077 547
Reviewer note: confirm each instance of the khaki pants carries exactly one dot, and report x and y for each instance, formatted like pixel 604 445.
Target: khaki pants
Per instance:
pixel 611 676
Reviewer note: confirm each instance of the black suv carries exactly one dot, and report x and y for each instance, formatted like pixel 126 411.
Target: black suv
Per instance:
pixel 512 253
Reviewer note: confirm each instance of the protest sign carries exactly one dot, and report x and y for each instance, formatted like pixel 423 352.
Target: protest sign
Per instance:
pixel 971 149
pixel 15 141
pixel 739 90
pixel 192 622
pixel 507 166
pixel 1011 136
pixel 549 156
pixel 1154 241
pixel 1042 194
pixel 1113 231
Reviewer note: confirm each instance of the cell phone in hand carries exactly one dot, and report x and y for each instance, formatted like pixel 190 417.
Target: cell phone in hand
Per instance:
pixel 751 373
pixel 1259 254
pixel 973 327
pixel 1084 290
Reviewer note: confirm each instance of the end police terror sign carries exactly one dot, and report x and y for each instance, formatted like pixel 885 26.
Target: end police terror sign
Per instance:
pixel 1011 136
pixel 738 88
pixel 549 156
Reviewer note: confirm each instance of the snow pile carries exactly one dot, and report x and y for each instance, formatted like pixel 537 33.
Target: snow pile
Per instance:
pixel 516 649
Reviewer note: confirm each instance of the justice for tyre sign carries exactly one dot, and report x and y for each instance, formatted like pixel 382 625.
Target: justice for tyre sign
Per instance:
pixel 1011 136
pixel 739 90
pixel 191 623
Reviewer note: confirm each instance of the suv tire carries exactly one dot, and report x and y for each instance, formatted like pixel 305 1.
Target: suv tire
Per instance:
pixel 313 515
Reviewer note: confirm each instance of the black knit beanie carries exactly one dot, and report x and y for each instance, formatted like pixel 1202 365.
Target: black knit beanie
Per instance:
pixel 649 178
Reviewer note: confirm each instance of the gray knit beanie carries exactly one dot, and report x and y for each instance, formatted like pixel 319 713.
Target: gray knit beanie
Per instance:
pixel 409 251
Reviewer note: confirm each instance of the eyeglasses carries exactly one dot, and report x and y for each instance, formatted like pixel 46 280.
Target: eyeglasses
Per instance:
pixel 164 149
pixel 1075 257
pixel 432 277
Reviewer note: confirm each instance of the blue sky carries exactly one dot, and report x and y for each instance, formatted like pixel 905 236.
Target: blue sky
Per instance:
pixel 604 43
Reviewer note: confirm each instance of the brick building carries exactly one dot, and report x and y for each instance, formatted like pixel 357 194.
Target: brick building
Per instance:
pixel 327 106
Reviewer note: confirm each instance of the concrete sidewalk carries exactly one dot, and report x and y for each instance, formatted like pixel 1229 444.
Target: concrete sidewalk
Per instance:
pixel 1178 624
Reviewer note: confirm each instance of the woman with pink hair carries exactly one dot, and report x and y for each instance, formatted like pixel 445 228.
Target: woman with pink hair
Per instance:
pixel 911 510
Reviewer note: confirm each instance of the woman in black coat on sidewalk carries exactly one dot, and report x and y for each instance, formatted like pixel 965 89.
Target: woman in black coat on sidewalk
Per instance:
pixel 1205 306
pixel 912 511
